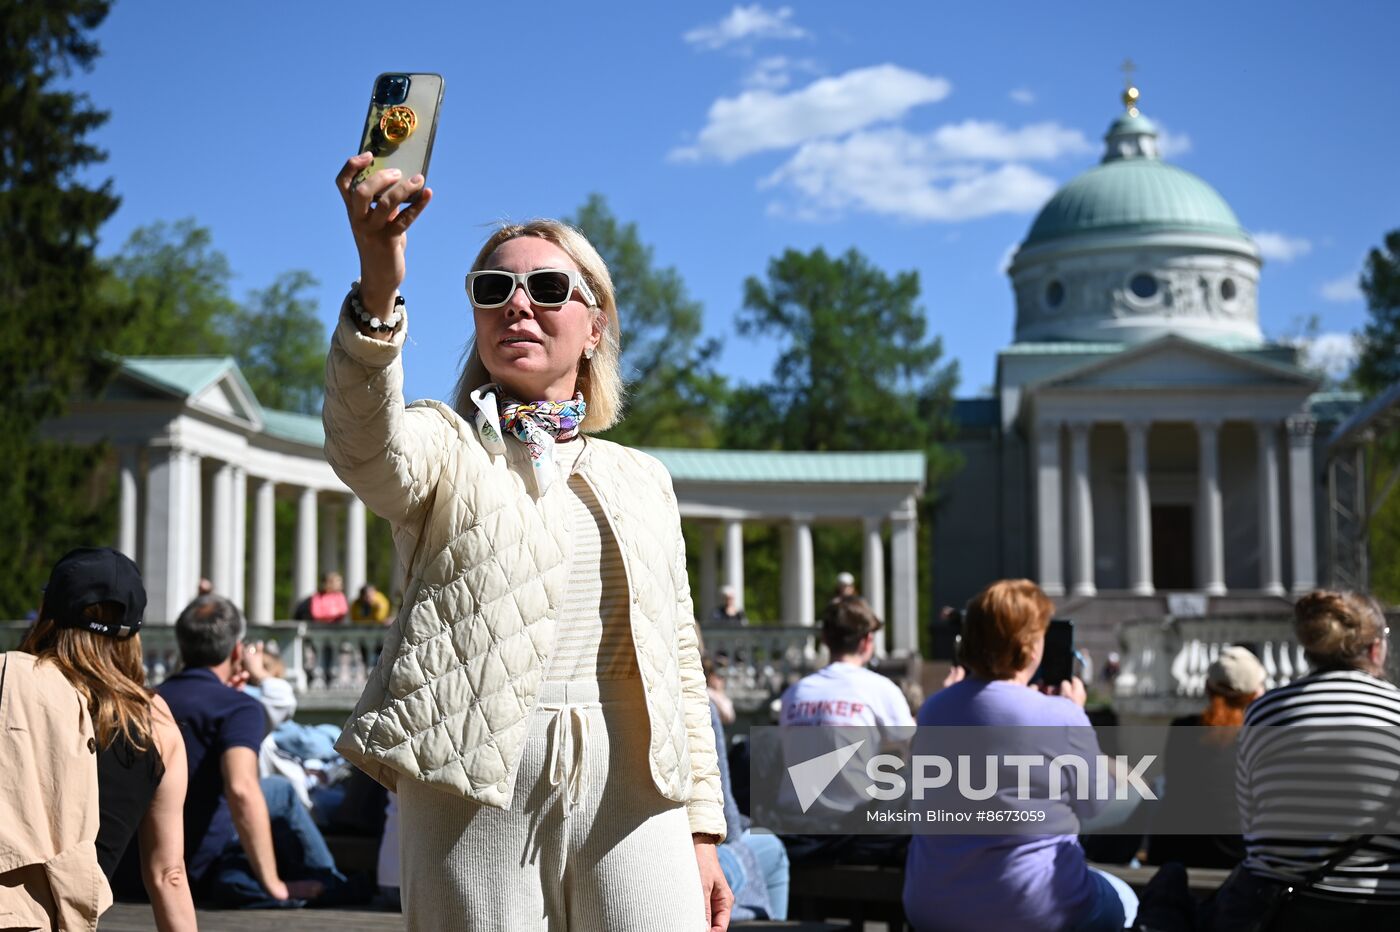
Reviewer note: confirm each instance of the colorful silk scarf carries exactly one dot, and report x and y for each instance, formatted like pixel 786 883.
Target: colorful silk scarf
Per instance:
pixel 538 425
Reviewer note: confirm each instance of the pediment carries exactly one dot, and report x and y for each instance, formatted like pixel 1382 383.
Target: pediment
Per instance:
pixel 228 397
pixel 1176 363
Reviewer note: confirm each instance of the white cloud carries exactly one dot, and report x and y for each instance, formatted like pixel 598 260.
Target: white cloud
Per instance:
pixel 896 173
pixel 1281 247
pixel 980 139
pixel 1333 354
pixel 1346 288
pixel 775 72
pixel 759 120
pixel 1023 95
pixel 746 24
pixel 1170 144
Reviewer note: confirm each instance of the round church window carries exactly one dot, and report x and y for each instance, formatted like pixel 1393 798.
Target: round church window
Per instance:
pixel 1144 285
pixel 1054 294
pixel 1227 290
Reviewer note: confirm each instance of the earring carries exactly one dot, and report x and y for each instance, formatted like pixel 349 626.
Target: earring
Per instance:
pixel 588 353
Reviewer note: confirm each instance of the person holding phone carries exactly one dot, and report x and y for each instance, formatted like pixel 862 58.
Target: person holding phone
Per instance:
pixel 539 705
pixel 1036 881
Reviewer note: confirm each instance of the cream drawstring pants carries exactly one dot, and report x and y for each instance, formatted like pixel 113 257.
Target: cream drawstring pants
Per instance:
pixel 588 844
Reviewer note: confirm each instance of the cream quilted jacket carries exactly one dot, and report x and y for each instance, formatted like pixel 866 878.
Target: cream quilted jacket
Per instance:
pixel 449 702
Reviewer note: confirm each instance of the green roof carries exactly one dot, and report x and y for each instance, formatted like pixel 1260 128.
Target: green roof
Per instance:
pixel 182 375
pixel 1140 195
pixel 787 467
pixel 291 425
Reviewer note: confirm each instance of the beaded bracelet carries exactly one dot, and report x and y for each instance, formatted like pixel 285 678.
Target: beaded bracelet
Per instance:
pixel 373 324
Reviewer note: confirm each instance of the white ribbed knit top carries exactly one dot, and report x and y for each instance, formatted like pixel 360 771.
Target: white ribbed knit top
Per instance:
pixel 594 637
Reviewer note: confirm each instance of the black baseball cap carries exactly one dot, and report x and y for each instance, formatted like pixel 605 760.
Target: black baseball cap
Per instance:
pixel 89 575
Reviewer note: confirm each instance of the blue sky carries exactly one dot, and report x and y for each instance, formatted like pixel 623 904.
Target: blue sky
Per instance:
pixel 925 134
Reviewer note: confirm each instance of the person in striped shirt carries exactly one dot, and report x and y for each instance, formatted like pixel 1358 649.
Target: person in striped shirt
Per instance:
pixel 1306 792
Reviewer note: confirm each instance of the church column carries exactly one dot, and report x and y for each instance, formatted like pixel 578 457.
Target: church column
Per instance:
pixel 1270 546
pixel 801 603
pixel 734 558
pixel 709 570
pixel 1211 520
pixel 220 532
pixel 329 539
pixel 1139 510
pixel 306 576
pixel 1081 508
pixel 1049 554
pixel 195 569
pixel 355 556
pixel 128 515
pixel 904 580
pixel 238 539
pixel 1300 498
pixel 264 552
pixel 872 582
pixel 167 548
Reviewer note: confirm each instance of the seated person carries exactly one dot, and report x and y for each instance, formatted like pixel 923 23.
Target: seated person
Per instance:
pixel 1023 881
pixel 371 607
pixel 94 606
pixel 248 842
pixel 846 693
pixel 1200 765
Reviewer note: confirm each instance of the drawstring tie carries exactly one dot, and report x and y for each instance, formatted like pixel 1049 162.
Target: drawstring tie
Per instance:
pixel 568 761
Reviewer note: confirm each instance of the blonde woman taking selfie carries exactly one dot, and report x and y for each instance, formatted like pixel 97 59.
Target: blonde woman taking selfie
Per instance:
pixel 539 706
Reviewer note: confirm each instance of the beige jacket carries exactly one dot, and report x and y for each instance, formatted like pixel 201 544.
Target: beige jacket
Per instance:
pixel 49 876
pixel 487 563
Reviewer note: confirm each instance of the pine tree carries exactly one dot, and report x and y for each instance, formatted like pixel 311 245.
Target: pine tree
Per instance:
pixel 52 495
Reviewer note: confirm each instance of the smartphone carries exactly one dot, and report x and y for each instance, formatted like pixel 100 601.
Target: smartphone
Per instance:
pixel 401 124
pixel 1057 663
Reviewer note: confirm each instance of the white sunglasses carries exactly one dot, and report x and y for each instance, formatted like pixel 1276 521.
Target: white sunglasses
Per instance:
pixel 545 287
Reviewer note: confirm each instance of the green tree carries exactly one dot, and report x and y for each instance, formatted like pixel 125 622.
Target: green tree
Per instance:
pixel 1379 364
pixel 49 276
pixel 280 345
pixel 675 395
pixel 179 284
pixel 856 370
pixel 1377 369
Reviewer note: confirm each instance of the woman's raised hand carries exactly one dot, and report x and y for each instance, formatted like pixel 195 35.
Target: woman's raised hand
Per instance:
pixel 379 220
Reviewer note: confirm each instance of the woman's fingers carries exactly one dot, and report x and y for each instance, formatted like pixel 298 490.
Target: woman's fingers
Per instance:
pixel 404 218
pixel 390 200
pixel 364 194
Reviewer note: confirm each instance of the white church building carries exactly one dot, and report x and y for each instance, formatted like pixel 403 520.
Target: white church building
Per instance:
pixel 1144 440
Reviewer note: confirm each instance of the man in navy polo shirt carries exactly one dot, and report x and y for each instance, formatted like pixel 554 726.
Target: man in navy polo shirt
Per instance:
pixel 248 842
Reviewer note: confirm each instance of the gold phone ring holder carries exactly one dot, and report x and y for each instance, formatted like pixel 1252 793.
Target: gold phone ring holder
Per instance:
pixel 398 123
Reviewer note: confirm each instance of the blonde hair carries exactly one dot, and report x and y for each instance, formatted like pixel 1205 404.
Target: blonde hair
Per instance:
pixel 1337 629
pixel 107 671
pixel 599 378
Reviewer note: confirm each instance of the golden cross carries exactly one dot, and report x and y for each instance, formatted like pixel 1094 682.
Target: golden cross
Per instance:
pixel 1127 68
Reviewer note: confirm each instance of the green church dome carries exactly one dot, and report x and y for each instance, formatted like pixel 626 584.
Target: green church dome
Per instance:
pixel 1138 195
pixel 1134 191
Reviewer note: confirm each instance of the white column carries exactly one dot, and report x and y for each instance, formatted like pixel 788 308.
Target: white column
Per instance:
pixel 709 570
pixel 1048 549
pixel 306 576
pixel 221 531
pixel 804 574
pixel 355 568
pixel 872 582
pixel 904 581
pixel 264 552
pixel 128 517
pixel 1300 500
pixel 238 539
pixel 167 548
pixel 734 558
pixel 194 515
pixel 1211 519
pixel 1081 511
pixel 330 539
pixel 1270 545
pixel 1139 511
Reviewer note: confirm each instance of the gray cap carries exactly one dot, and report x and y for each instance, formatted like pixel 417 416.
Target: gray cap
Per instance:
pixel 1236 671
